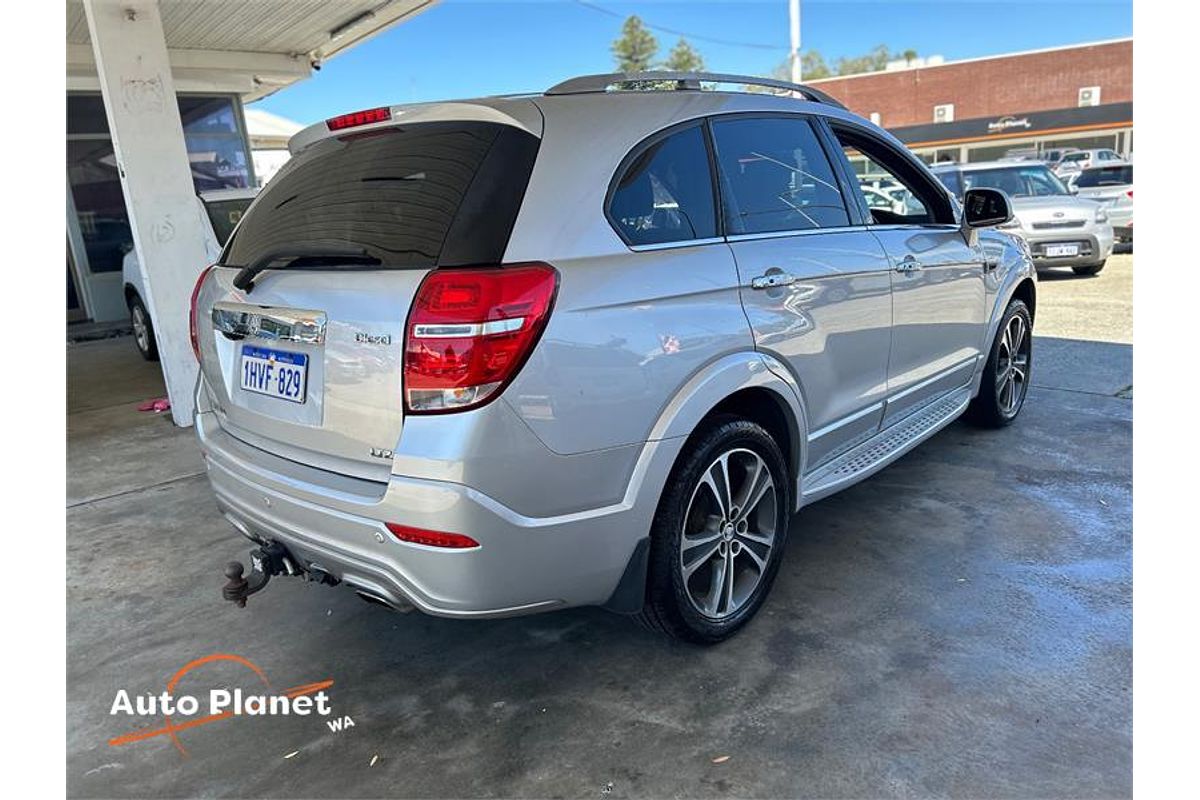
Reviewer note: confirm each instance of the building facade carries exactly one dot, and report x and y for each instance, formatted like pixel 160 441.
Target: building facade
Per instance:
pixel 979 109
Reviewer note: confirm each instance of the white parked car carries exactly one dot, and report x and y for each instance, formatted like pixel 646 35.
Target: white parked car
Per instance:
pixel 1082 159
pixel 220 211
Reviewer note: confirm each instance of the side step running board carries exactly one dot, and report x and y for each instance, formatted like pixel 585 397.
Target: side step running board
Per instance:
pixel 885 447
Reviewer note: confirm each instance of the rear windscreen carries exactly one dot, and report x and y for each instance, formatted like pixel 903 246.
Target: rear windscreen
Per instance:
pixel 224 216
pixel 1105 176
pixel 422 195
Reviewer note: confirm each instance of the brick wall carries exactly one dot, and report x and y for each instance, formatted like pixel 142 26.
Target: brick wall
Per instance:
pixel 990 88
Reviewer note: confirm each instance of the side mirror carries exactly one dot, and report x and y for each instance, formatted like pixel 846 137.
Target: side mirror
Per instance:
pixel 1072 188
pixel 986 208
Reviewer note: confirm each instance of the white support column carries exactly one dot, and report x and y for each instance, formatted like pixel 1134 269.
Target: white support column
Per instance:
pixel 139 99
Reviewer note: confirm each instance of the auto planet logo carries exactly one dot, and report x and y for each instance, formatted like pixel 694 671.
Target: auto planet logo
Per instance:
pixel 182 712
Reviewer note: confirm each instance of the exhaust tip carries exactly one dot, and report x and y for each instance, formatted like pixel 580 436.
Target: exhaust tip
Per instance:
pixel 376 600
pixel 241 527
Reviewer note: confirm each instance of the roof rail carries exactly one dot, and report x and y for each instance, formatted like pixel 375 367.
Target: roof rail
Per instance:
pixel 684 81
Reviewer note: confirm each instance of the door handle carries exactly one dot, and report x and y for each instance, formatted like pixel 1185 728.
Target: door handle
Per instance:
pixel 771 280
pixel 908 264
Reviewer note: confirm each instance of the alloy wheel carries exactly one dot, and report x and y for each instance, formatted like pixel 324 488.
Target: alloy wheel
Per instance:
pixel 728 533
pixel 141 332
pixel 1012 366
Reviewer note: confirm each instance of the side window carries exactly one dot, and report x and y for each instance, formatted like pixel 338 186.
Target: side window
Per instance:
pixel 951 179
pixel 665 193
pixel 775 176
pixel 895 190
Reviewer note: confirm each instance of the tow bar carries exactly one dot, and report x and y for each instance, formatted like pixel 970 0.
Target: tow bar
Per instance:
pixel 266 561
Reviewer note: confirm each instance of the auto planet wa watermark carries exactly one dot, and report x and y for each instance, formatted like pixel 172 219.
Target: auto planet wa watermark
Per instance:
pixel 182 712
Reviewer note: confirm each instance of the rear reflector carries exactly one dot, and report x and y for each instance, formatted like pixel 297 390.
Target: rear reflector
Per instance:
pixel 470 331
pixel 358 118
pixel 431 538
pixel 193 321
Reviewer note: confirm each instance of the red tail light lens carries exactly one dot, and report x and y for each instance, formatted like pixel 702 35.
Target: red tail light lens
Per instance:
pixel 193 321
pixel 358 118
pixel 1130 193
pixel 432 538
pixel 469 332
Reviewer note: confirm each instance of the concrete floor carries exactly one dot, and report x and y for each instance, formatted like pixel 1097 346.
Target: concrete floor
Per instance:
pixel 958 625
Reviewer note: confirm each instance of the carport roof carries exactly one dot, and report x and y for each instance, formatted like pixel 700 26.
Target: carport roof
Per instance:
pixel 272 42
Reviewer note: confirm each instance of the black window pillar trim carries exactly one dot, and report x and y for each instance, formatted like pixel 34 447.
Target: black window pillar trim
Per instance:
pixel 860 213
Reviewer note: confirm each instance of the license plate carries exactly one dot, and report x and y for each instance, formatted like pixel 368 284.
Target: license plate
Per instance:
pixel 275 373
pixel 1055 250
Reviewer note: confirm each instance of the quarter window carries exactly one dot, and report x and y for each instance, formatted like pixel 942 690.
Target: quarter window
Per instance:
pixel 665 193
pixel 775 176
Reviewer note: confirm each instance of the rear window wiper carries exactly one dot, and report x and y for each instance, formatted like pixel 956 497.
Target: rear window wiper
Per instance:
pixel 308 256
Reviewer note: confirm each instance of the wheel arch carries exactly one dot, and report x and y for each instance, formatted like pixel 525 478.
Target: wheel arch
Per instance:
pixel 744 385
pixel 1026 293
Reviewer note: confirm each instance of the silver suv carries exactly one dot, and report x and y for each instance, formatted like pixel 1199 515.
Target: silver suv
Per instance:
pixel 1061 230
pixel 588 347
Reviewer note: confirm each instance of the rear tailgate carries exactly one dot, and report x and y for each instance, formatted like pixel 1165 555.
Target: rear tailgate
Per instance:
pixel 308 363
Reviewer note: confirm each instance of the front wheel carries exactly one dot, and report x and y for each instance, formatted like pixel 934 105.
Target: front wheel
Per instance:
pixel 143 329
pixel 1006 375
pixel 718 534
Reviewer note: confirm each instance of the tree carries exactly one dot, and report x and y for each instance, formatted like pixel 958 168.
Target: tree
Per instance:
pixel 636 48
pixel 684 58
pixel 872 62
pixel 813 66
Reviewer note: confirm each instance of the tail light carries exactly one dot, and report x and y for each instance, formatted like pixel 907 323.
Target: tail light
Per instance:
pixel 469 332
pixel 456 541
pixel 1129 194
pixel 193 321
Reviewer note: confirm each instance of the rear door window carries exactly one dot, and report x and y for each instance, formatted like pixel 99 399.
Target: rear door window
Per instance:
pixel 421 195
pixel 665 192
pixel 776 176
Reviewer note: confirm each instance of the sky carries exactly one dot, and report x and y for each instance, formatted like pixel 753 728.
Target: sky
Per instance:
pixel 471 48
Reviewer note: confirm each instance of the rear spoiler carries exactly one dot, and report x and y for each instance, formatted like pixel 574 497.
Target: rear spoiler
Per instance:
pixel 519 113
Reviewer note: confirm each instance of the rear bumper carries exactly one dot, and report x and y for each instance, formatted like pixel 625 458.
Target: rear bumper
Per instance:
pixel 523 565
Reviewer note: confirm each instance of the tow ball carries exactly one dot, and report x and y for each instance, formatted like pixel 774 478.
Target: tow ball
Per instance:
pixel 266 561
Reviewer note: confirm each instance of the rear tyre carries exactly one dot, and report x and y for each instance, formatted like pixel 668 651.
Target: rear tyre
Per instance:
pixel 1007 372
pixel 719 533
pixel 143 329
pixel 1091 269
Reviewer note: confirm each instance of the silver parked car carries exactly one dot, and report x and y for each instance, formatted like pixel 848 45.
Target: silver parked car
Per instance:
pixel 1112 186
pixel 592 346
pixel 1062 230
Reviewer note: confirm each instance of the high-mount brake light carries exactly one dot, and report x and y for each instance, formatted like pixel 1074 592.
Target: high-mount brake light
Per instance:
pixel 470 331
pixel 357 118
pixel 193 321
